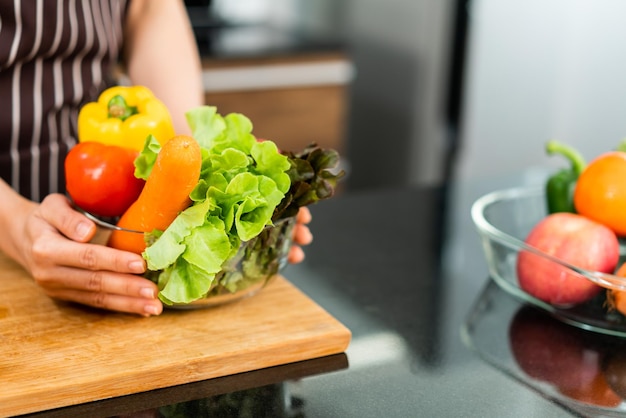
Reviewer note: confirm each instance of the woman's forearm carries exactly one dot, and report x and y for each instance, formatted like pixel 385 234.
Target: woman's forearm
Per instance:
pixel 13 212
pixel 161 53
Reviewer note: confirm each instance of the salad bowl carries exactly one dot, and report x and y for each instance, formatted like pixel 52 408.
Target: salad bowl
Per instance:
pixel 253 266
pixel 504 218
pixel 244 274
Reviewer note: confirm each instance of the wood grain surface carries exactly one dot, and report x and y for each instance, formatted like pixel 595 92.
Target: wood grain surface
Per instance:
pixel 57 354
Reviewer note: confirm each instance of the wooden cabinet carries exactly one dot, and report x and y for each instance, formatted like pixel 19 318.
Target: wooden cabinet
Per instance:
pixel 293 100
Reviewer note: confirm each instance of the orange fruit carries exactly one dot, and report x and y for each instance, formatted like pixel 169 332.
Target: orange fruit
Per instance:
pixel 600 192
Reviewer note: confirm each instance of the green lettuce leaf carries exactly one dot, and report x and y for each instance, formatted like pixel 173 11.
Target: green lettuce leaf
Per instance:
pixel 208 246
pixel 269 162
pixel 170 245
pixel 206 124
pixel 146 158
pixel 183 282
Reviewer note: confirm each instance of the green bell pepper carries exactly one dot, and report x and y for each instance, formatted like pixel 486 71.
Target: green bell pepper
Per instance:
pixel 561 185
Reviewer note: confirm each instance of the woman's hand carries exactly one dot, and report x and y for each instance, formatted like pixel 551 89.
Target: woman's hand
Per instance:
pixel 51 240
pixel 301 235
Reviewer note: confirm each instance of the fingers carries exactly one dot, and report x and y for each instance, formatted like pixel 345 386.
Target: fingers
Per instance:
pixel 302 234
pixel 99 282
pixel 87 256
pixel 304 215
pixel 103 289
pixel 119 303
pixel 56 210
pixel 296 255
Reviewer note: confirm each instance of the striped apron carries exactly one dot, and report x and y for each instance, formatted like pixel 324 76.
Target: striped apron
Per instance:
pixel 55 55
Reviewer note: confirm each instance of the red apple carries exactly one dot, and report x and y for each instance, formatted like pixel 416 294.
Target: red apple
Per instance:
pixel 576 240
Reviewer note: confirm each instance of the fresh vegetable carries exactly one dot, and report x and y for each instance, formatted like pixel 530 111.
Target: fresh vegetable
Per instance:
pixel 125 116
pixel 243 184
pixel 573 239
pixel 166 193
pixel 242 181
pixel 601 191
pixel 314 176
pixel 99 178
pixel 560 186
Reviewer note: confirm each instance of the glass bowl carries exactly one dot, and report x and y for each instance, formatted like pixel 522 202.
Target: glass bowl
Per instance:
pixel 256 262
pixel 504 219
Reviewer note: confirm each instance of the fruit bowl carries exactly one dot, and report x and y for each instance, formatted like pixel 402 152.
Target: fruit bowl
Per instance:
pixel 244 274
pixel 504 219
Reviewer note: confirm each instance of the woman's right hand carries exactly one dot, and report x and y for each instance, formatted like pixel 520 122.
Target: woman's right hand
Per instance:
pixel 51 240
pixel 301 235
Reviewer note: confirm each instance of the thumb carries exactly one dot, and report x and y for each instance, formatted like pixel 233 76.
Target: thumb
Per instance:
pixel 56 210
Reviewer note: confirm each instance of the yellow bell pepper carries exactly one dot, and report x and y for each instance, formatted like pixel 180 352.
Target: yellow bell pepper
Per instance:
pixel 125 116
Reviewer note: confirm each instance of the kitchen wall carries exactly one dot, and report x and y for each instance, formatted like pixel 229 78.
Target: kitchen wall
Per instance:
pixel 540 70
pixel 396 132
pixel 401 49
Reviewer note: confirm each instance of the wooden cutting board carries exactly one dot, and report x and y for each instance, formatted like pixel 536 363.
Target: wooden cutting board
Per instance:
pixel 55 354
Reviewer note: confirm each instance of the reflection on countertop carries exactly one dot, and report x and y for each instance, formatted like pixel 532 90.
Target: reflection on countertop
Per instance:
pixel 581 370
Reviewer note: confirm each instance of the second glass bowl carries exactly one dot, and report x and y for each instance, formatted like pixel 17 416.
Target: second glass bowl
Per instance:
pixel 504 219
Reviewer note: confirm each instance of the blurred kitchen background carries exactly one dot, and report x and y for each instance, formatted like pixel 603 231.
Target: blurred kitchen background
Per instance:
pixel 416 91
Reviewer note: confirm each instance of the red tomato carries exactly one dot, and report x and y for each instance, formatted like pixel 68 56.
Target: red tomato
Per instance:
pixel 100 178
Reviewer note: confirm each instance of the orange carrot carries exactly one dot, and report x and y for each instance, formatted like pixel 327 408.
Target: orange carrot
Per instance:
pixel 175 173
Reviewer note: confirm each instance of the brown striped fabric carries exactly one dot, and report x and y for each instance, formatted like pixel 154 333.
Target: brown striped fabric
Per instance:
pixel 55 55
